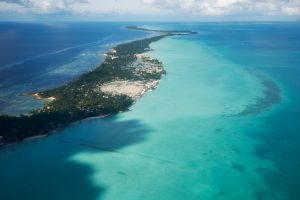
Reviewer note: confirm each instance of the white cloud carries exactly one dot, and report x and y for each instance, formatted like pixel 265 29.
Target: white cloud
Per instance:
pixel 103 6
pixel 46 6
pixel 50 6
pixel 77 6
pixel 11 7
pixel 38 6
pixel 230 7
pixel 292 7
pixel 291 10
pixel 183 8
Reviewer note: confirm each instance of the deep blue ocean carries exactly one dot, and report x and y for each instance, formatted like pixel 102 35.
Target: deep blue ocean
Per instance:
pixel 223 124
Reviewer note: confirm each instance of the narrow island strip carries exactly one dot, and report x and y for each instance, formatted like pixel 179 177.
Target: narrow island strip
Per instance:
pixel 126 74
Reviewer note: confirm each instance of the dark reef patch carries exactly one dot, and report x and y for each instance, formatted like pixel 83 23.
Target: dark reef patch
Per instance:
pixel 272 96
pixel 238 167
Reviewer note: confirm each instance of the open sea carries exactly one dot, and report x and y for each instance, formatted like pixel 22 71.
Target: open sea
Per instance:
pixel 223 124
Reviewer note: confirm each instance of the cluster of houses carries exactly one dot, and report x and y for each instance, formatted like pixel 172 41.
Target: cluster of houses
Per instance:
pixel 146 64
pixel 143 65
pixel 111 55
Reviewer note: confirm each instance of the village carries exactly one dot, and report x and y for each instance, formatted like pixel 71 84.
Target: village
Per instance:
pixel 143 67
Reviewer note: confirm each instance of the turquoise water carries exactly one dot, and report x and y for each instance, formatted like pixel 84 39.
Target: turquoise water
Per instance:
pixel 215 128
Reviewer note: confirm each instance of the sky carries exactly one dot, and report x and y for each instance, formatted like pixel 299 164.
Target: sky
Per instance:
pixel 150 10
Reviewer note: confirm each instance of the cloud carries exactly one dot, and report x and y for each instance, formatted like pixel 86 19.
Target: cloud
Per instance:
pixel 39 6
pixel 291 10
pixel 154 8
pixel 113 6
pixel 76 6
pixel 230 7
pixel 11 7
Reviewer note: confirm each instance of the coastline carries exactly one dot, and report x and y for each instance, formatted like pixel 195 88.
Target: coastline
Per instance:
pixel 125 75
pixel 36 96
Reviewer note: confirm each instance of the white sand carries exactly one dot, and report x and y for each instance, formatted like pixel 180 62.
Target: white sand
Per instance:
pixel 133 89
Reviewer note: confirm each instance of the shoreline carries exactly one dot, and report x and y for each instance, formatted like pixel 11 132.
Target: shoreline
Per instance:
pixel 36 96
pixel 124 76
pixel 36 137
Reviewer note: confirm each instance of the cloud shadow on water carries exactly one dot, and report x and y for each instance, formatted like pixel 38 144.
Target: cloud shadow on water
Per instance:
pixel 42 169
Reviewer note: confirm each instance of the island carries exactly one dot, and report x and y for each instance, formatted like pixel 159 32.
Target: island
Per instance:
pixel 181 32
pixel 124 76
